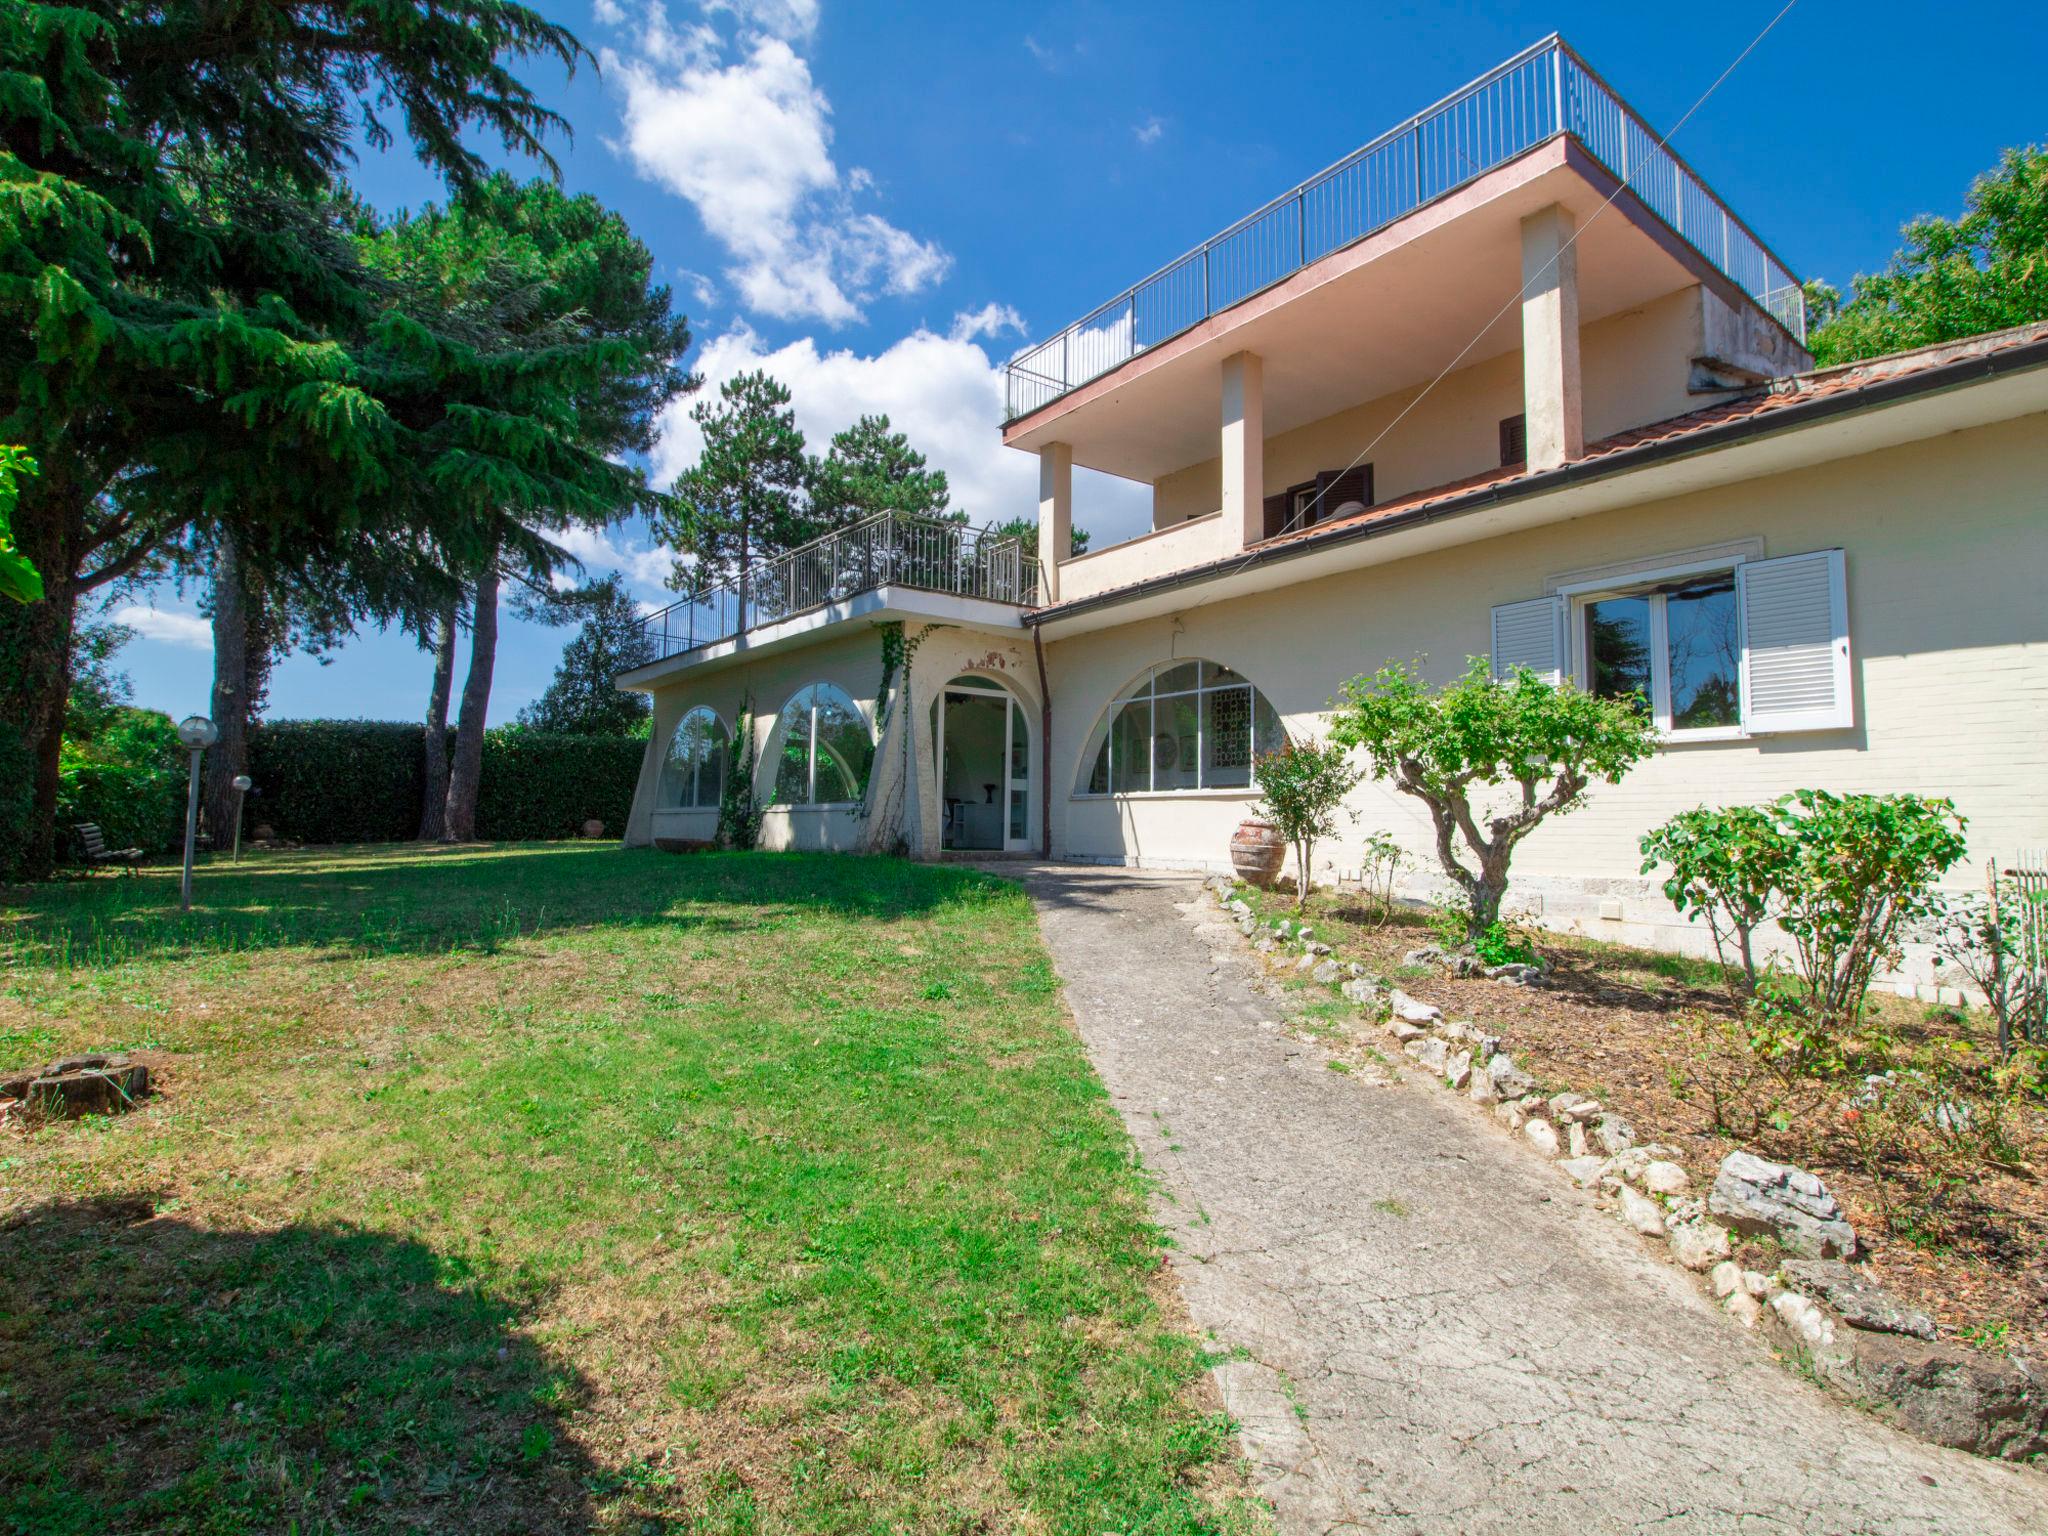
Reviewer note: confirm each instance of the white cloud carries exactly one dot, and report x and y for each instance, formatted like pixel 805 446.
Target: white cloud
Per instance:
pixel 1150 131
pixel 168 627
pixel 643 565
pixel 991 320
pixel 792 20
pixel 747 140
pixel 942 392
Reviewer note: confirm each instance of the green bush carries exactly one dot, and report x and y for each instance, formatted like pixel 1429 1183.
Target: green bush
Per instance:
pixel 130 779
pixel 17 799
pixel 360 781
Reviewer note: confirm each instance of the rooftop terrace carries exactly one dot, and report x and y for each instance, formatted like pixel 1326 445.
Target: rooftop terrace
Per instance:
pixel 1542 93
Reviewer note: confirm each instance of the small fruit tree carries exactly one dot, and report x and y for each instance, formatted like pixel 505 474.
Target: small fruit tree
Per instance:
pixel 1303 786
pixel 1549 742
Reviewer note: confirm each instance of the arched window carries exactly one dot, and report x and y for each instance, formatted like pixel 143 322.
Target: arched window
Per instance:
pixel 1183 725
pixel 825 748
pixel 693 773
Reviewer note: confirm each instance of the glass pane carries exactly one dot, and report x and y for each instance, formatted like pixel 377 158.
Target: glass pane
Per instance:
pixel 710 751
pixel 1267 733
pixel 793 768
pixel 1705 661
pixel 1130 742
pixel 1214 676
pixel 844 747
pixel 1227 738
pixel 1178 679
pixel 1020 743
pixel 1098 776
pixel 1618 642
pixel 1176 742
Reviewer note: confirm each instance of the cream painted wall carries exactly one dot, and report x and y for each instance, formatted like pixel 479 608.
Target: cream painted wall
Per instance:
pixel 1635 367
pixel 904 780
pixel 1947 546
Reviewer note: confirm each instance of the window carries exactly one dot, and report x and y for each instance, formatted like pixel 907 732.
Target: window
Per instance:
pixel 693 773
pixel 1333 493
pixel 1184 725
pixel 1676 646
pixel 1514 440
pixel 825 749
pixel 1715 647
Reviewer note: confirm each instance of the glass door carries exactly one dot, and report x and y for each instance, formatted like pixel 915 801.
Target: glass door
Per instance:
pixel 1017 829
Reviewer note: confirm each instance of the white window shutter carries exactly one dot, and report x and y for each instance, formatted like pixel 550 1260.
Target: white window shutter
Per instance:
pixel 1531 635
pixel 1795 643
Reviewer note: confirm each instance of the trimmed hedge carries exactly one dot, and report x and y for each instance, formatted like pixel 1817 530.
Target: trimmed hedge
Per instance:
pixel 360 781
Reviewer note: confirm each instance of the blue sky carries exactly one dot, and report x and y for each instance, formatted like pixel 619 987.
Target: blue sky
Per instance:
pixel 878 203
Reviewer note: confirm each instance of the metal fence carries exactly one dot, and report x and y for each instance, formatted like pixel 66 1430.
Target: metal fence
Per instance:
pixel 1541 92
pixel 889 549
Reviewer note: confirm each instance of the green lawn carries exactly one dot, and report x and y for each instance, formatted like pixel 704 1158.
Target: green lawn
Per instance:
pixel 563 1188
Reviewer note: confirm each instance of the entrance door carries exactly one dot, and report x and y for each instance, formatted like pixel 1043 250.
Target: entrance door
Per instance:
pixel 982 751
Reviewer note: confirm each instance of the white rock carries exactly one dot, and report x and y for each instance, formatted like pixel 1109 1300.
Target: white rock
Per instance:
pixel 1803 1320
pixel 1725 1277
pixel 1697 1245
pixel 1764 1199
pixel 1413 1011
pixel 1482 1089
pixel 1584 1170
pixel 1641 1212
pixel 1404 1031
pixel 1458 1070
pixel 1510 1079
pixel 1511 1114
pixel 1568 1107
pixel 1431 1052
pixel 1542 1135
pixel 1744 1308
pixel 1575 1138
pixel 1757 1283
pixel 1615 1134
pixel 1663 1178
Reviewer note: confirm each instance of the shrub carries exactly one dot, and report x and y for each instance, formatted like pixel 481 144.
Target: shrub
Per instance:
pixel 1302 787
pixel 1980 935
pixel 1725 865
pixel 130 778
pixel 17 799
pixel 1379 871
pixel 537 785
pixel 1549 742
pixel 739 814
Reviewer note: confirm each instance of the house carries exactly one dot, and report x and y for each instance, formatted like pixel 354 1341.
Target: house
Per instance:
pixel 1511 380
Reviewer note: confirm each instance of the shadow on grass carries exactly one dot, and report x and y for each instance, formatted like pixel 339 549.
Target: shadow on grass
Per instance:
pixel 423 900
pixel 161 1377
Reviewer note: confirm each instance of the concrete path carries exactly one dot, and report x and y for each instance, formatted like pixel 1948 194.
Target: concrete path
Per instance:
pixel 1438 1335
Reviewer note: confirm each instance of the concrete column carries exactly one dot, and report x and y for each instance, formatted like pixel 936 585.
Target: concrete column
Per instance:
pixel 1244 451
pixel 1055 513
pixel 1551 395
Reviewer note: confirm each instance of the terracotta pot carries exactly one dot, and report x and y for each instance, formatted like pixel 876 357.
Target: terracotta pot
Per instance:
pixel 1257 850
pixel 593 828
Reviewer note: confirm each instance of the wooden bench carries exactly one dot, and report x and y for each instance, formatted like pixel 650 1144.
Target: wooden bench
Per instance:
pixel 97 852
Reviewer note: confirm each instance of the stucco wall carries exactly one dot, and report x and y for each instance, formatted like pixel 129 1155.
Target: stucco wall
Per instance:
pixel 1634 369
pixel 1947 543
pixel 904 789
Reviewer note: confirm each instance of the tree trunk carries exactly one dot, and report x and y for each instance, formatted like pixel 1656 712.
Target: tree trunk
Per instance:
pixel 1485 896
pixel 35 661
pixel 467 769
pixel 434 802
pixel 232 603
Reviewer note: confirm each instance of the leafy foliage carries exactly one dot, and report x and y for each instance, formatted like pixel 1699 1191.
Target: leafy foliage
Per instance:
pixel 745 495
pixel 739 812
pixel 1952 278
pixel 1842 875
pixel 1302 786
pixel 583 699
pixel 870 469
pixel 1982 937
pixel 1548 743
pixel 129 776
pixel 1025 531
pixel 19 580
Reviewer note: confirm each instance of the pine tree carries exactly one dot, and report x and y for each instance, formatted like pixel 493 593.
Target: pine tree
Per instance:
pixel 583 699
pixel 870 469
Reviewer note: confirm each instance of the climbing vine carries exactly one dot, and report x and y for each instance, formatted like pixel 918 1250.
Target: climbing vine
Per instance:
pixel 739 814
pixel 899 651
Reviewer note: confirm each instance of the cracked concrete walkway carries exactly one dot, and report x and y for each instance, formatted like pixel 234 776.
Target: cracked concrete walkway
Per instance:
pixel 1439 1335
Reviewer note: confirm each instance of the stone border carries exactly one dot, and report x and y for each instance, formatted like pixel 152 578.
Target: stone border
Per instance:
pixel 1822 1314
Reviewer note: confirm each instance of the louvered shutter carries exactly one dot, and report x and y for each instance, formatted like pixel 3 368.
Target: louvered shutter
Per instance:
pixel 1531 635
pixel 1339 489
pixel 1276 515
pixel 1795 643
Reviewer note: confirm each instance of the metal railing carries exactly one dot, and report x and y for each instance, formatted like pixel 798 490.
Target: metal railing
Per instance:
pixel 889 549
pixel 1541 92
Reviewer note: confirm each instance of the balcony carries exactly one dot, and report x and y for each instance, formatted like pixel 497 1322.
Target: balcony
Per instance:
pixel 1543 93
pixel 880 554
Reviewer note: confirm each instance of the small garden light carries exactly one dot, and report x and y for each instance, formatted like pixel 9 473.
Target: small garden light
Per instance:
pixel 242 783
pixel 197 733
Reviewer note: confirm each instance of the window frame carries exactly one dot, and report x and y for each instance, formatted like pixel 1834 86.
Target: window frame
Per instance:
pixel 1579 596
pixel 1130 693
pixel 725 744
pixel 772 758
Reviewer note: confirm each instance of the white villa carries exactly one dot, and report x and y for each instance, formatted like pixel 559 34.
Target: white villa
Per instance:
pixel 1511 380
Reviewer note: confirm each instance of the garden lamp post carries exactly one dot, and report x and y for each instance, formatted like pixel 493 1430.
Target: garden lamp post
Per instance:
pixel 197 733
pixel 242 783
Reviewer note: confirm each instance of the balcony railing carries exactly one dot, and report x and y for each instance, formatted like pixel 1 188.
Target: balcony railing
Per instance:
pixel 1545 90
pixel 889 549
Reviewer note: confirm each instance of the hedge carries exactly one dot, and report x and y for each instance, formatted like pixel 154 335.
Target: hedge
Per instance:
pixel 360 781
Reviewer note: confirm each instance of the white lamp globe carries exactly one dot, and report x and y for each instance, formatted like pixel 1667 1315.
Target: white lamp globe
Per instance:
pixel 197 732
pixel 243 782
